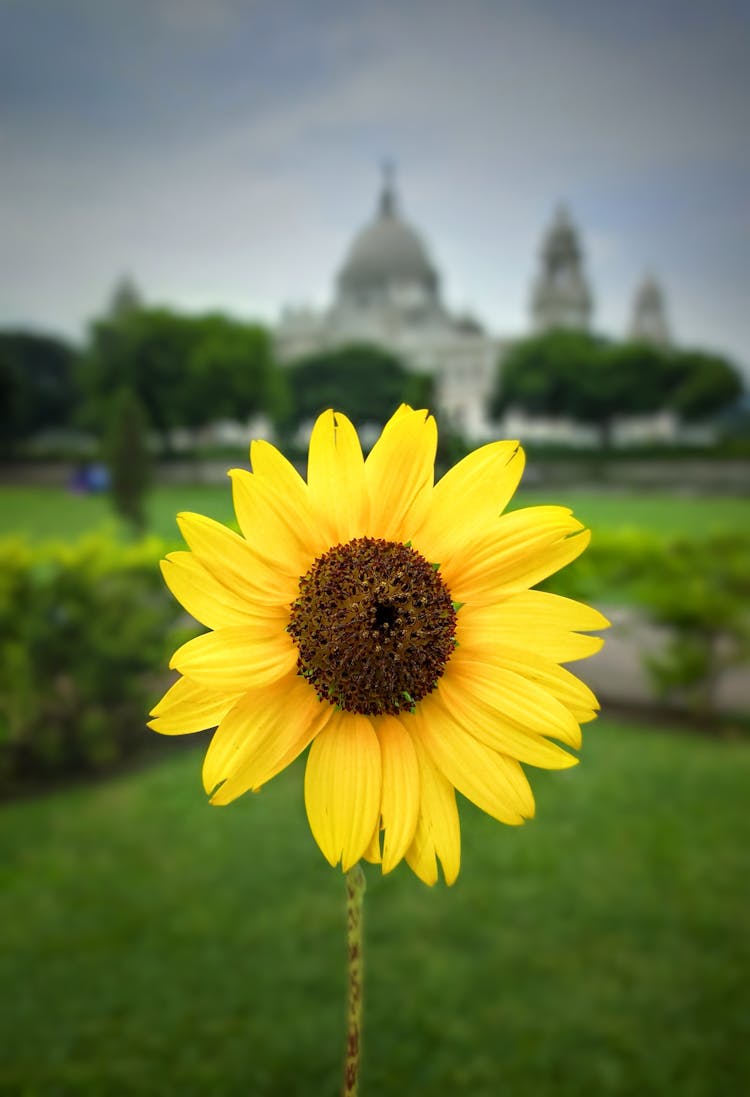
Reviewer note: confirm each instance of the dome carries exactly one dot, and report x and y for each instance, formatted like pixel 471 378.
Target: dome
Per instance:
pixel 385 252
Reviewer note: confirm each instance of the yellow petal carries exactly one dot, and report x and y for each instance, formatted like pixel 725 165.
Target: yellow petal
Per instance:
pixel 188 707
pixel 566 687
pixel 236 659
pixel 563 685
pixel 372 853
pixel 272 468
pixel 268 463
pixel 525 547
pixel 535 620
pixel 202 595
pixel 336 478
pixel 342 788
pixel 515 698
pixel 469 498
pixel 231 561
pixel 269 524
pixel 438 832
pixel 400 799
pixel 494 782
pixel 552 610
pixel 262 734
pixel 400 470
pixel 486 724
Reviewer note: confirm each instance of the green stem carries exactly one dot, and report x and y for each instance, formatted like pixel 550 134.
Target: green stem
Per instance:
pixel 355 890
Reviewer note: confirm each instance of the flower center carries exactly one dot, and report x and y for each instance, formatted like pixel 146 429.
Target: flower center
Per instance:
pixel 374 625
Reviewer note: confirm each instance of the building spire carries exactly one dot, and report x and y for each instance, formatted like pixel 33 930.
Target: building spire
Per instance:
pixel 649 322
pixel 561 297
pixel 388 193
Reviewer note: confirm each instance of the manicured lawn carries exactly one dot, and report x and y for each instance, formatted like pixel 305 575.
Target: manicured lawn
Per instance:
pixel 48 513
pixel 668 515
pixel 152 945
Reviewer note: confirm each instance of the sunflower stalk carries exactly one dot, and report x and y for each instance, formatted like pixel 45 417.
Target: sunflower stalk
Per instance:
pixel 355 890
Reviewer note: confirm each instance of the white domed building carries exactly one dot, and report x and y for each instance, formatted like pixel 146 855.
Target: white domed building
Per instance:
pixel 388 293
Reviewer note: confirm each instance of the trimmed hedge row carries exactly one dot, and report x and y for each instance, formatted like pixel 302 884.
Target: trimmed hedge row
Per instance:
pixel 85 631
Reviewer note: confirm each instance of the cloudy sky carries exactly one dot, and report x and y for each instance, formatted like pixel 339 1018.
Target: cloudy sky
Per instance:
pixel 224 152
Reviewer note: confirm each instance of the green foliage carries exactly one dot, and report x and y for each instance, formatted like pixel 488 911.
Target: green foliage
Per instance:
pixel 365 382
pixel 639 378
pixel 128 457
pixel 704 384
pixel 228 372
pixel 37 389
pixel 698 589
pixel 145 350
pixel 187 371
pixel 576 375
pixel 83 630
pixel 549 374
pixel 702 595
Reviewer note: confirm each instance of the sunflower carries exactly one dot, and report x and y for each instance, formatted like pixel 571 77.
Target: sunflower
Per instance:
pixel 387 623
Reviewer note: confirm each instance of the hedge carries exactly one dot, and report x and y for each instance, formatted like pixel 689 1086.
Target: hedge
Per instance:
pixel 85 633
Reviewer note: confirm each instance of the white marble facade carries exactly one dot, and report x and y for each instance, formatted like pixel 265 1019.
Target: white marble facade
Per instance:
pixel 387 292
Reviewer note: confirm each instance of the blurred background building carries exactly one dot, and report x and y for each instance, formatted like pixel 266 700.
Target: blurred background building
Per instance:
pixel 387 292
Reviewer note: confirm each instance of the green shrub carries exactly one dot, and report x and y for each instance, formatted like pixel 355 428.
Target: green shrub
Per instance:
pixel 128 457
pixel 697 589
pixel 702 595
pixel 84 631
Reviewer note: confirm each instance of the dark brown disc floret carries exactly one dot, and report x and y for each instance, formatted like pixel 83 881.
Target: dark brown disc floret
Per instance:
pixel 374 624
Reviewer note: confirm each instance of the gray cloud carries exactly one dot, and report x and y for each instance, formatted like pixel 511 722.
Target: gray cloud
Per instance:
pixel 224 153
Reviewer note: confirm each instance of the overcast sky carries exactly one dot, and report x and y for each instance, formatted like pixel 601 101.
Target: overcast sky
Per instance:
pixel 224 152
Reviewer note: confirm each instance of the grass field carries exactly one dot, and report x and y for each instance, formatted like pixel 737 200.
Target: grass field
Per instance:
pixel 49 513
pixel 152 945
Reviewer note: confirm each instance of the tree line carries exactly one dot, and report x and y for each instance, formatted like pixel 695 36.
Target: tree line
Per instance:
pixel 593 381
pixel 190 371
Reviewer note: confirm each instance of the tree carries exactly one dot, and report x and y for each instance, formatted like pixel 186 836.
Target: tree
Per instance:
pixel 128 457
pixel 364 381
pixel 37 384
pixel 704 384
pixel 573 374
pixel 227 372
pixel 145 351
pixel 187 371
pixel 559 373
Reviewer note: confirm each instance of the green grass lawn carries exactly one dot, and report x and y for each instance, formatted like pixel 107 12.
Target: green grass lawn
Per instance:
pixel 49 513
pixel 53 513
pixel 153 945
pixel 666 515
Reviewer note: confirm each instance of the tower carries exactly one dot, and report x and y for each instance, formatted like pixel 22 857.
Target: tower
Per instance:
pixel 648 323
pixel 125 299
pixel 561 297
